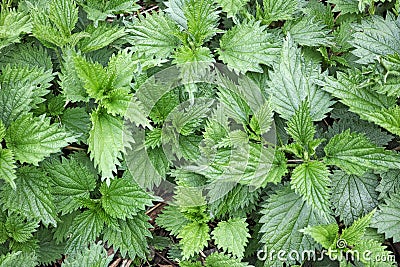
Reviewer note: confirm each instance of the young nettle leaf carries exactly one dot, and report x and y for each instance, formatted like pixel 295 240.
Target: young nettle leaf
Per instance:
pixel 300 126
pixel 12 24
pixel 311 181
pixel 194 237
pixel 323 234
pixel 293 81
pixel 154 36
pixel 355 154
pixel 387 217
pixel 19 229
pixel 106 142
pixel 247 45
pixel 172 219
pixel 123 199
pixel 277 10
pixel 232 7
pixel 33 195
pixel 232 236
pixel 130 238
pixel 15 258
pixel 354 233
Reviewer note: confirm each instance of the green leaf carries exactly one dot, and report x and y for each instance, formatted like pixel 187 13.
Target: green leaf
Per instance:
pixel 100 36
pixel 15 258
pixel 33 196
pixel 71 181
pixel 106 142
pixel 21 89
pixel 130 238
pixel 94 256
pixel 284 214
pixel 300 126
pixel 293 81
pixel 388 118
pixel 387 218
pixel 309 31
pixel 7 167
pixel 345 6
pixel 353 196
pixel 355 154
pixel 311 181
pixel 356 231
pixel 98 11
pixel 26 55
pixel 172 219
pixel 221 260
pixel 34 138
pixel 20 229
pixel 117 199
pixel 194 237
pixel 232 236
pixel 202 20
pixel 154 36
pixel 275 10
pixel 375 250
pixel 64 14
pixel 390 183
pixel 49 251
pixel 376 36
pixel 323 234
pixel 12 25
pixel 248 45
pixel 77 122
pixel 232 7
pixel 85 228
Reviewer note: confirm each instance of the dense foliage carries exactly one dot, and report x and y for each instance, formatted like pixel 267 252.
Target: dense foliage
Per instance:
pixel 292 147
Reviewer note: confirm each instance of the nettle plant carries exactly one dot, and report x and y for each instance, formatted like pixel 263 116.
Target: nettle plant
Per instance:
pixel 77 183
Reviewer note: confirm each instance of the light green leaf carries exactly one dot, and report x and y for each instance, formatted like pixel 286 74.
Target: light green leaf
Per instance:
pixel 7 167
pixel 300 126
pixel 374 251
pixel 345 6
pixel 64 14
pixel 12 25
pixel 355 154
pixel 106 142
pixel 247 45
pixel 117 199
pixel 275 10
pixel 356 231
pixel 387 218
pixel 388 118
pixel 323 234
pixel 131 236
pixel 194 237
pixel 353 196
pixel 390 183
pixel 232 7
pixel 311 181
pixel 154 36
pixel 33 196
pixel 309 31
pixel 293 81
pixel 20 229
pixel 71 181
pixel 34 138
pixel 15 258
pixel 100 36
pixel 232 236
pixel 172 219
pixel 94 256
pixel 284 214
pixel 376 36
